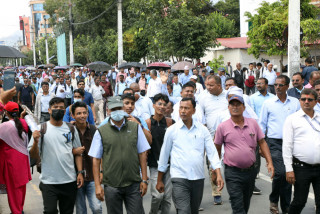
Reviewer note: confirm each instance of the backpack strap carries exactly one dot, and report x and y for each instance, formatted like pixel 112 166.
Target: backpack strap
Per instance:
pixel 71 127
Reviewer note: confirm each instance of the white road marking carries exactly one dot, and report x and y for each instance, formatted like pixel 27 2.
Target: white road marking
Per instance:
pixel 267 178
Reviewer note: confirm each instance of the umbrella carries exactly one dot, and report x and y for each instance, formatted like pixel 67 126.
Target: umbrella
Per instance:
pixel 10 52
pixel 49 66
pixel 60 68
pixel 180 65
pixel 76 65
pixel 131 64
pixel 99 66
pixel 31 68
pixel 158 65
pixel 22 67
pixel 41 66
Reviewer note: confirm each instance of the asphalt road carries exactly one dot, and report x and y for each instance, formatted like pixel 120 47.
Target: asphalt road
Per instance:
pixel 259 203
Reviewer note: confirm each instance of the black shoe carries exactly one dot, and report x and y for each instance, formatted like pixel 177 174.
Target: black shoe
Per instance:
pixel 256 191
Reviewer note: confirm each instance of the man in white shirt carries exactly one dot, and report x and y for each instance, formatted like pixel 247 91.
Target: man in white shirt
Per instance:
pixel 74 81
pixel 301 151
pixel 271 76
pixel 185 143
pixel 131 79
pixel 41 111
pixel 154 86
pixel 60 89
pixel 199 87
pixel 97 91
pixel 317 88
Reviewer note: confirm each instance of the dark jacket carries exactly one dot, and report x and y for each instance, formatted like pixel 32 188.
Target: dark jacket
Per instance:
pixel 239 78
pixel 293 93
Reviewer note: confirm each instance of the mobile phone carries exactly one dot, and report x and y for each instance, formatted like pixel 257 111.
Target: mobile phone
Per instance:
pixel 8 79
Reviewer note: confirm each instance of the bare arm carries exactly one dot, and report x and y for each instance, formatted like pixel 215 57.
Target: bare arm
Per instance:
pixel 143 165
pixel 78 160
pixel 218 147
pixel 34 151
pixel 96 176
pixel 160 184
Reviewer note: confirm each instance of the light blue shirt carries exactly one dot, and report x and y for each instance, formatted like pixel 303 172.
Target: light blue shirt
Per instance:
pixel 176 92
pixel 173 99
pixel 96 149
pixel 183 78
pixel 130 80
pixel 143 108
pixel 317 108
pixel 257 99
pixel 143 123
pixel 274 113
pixel 186 149
pixel 120 86
pixel 223 81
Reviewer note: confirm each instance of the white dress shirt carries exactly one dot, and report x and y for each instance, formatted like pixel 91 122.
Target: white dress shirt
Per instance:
pixel 199 89
pixel 143 108
pixel 270 76
pixel 97 92
pixel 198 115
pixel 154 87
pixel 186 149
pixel 301 139
pixel 212 106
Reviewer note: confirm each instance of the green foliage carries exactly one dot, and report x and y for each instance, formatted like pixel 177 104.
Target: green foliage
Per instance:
pixel 269 24
pixel 216 63
pixel 232 11
pixel 52 48
pixel 29 59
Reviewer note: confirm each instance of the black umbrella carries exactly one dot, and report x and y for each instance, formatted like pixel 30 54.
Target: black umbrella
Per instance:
pixel 99 66
pixel 131 64
pixel 41 66
pixel 10 52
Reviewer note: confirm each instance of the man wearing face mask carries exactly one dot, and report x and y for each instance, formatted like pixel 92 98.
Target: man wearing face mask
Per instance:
pixel 122 145
pixel 78 96
pixel 58 180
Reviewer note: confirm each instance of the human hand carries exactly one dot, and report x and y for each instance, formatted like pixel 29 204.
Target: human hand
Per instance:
pixel 80 180
pixel 160 186
pixel 290 177
pixel 219 182
pixel 164 77
pixel 143 188
pixel 133 119
pixel 270 169
pixel 6 96
pixel 78 151
pixel 36 135
pixel 99 193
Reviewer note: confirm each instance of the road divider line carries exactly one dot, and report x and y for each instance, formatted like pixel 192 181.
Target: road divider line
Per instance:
pixel 268 179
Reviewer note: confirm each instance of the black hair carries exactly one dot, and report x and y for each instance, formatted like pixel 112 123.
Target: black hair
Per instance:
pixel 286 78
pixel 44 83
pixel 128 96
pixel 232 78
pixel 244 69
pixel 189 99
pixel 17 122
pixel 259 64
pixel 81 80
pixel 267 61
pixel 171 86
pixel 161 97
pixel 78 105
pixel 55 100
pixel 309 91
pixel 265 80
pixel 298 74
pixel 309 60
pixel 250 63
pixel 79 91
pixel 128 89
pixel 189 84
pixel 317 82
pixel 217 79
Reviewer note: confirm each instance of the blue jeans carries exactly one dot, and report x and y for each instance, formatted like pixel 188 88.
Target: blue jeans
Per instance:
pixel 88 189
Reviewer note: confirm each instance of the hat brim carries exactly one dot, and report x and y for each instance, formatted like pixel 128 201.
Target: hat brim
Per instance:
pixel 115 105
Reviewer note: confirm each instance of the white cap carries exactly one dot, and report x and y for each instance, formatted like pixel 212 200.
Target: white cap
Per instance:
pixel 186 67
pixel 194 77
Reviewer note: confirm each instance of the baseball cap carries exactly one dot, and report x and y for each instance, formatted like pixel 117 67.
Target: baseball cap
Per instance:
pixel 11 107
pixel 236 97
pixel 194 77
pixel 221 69
pixel 114 102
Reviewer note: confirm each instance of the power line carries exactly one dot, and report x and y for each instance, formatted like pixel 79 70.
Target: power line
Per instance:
pixel 98 16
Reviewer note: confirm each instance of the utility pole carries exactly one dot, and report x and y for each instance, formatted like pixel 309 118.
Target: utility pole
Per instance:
pixel 47 51
pixel 70 34
pixel 294 37
pixel 33 46
pixel 120 42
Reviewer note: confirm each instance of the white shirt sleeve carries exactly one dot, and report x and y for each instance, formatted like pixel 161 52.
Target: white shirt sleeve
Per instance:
pixel 287 144
pixel 143 144
pixel 96 149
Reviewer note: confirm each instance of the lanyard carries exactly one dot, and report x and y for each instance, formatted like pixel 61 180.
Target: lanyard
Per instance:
pixel 314 128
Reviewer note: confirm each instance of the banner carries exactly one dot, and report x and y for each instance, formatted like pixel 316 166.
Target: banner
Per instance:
pixel 62 50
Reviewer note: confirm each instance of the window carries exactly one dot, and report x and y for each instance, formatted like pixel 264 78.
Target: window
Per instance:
pixel 46 16
pixel 38 7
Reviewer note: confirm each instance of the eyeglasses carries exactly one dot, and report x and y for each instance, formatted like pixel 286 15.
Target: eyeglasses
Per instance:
pixel 161 104
pixel 280 85
pixel 305 99
pixel 295 80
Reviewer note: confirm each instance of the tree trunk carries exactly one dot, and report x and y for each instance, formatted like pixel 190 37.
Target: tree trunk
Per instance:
pixel 281 63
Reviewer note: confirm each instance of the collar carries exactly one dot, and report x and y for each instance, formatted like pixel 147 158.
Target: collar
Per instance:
pixel 302 114
pixel 112 123
pixel 162 121
pixel 300 90
pixel 287 98
pixel 181 124
pixel 268 94
pixel 245 122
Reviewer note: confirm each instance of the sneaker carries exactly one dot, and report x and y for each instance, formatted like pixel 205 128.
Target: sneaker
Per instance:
pixel 201 209
pixel 256 191
pixel 217 200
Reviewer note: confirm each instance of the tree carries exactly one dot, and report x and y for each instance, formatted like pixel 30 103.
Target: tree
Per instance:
pixel 268 25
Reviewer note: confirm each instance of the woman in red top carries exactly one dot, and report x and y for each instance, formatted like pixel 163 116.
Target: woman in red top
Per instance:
pixel 14 159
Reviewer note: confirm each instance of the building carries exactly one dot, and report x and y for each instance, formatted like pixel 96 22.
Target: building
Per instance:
pixel 315 2
pixel 25 28
pixel 39 17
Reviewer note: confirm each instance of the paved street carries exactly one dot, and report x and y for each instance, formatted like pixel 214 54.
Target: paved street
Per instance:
pixel 259 204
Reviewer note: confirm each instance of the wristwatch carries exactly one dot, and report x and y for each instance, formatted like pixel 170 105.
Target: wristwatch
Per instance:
pixel 82 172
pixel 146 182
pixel 101 171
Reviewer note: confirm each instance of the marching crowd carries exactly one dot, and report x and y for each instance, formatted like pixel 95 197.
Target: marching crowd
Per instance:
pixel 98 133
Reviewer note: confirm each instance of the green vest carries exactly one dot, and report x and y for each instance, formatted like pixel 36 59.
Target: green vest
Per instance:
pixel 121 166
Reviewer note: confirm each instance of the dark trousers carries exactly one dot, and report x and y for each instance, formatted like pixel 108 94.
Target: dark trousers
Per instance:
pixel 248 89
pixel 280 187
pixel 187 195
pixel 305 175
pixel 28 104
pixel 65 194
pixel 258 161
pixel 240 185
pixel 130 195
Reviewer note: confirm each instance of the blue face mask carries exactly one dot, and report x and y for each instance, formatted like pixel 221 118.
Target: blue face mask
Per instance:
pixel 118 115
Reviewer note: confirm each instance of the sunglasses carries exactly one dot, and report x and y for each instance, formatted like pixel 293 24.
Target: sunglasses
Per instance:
pixel 280 85
pixel 305 99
